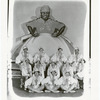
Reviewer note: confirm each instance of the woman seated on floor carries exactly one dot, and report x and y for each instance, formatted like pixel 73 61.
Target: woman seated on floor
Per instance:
pixel 34 82
pixel 53 75
pixel 67 82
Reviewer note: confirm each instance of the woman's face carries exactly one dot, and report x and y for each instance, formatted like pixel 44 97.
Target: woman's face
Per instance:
pixel 67 74
pixel 53 64
pixel 36 74
pixel 77 51
pixel 38 63
pixel 45 15
pixel 41 50
pixel 45 12
pixel 60 51
pixel 54 73
pixel 25 50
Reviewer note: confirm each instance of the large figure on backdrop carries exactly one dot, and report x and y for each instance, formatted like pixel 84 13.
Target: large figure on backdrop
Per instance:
pixel 44 32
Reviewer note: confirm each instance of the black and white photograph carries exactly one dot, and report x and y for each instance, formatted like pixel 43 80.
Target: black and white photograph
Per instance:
pixel 51 48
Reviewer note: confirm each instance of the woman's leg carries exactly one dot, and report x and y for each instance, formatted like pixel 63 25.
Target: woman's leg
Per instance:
pixel 70 88
pixel 34 89
pixel 39 89
pixel 48 87
pixel 55 89
pixel 52 88
pixel 64 87
pixel 30 87
pixel 28 82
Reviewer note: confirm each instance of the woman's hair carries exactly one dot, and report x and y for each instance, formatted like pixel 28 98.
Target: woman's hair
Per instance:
pixel 41 48
pixel 60 48
pixel 45 7
pixel 25 48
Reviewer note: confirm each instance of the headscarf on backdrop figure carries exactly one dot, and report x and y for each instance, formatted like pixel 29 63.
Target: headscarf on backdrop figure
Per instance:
pixel 38 15
pixel 25 39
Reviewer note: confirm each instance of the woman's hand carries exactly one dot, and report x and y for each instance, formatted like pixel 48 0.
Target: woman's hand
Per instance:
pixel 35 35
pixel 33 31
pixel 54 35
pixel 20 62
pixel 58 32
pixel 27 61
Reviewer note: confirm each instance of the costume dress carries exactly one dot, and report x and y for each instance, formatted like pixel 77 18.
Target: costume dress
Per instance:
pixel 44 40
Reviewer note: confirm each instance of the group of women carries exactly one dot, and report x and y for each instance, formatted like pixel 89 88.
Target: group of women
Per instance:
pixel 41 73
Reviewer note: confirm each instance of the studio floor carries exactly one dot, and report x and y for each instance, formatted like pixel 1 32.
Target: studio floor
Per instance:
pixel 21 92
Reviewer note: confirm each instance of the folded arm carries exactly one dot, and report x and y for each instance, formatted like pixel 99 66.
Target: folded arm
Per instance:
pixel 58 32
pixel 32 31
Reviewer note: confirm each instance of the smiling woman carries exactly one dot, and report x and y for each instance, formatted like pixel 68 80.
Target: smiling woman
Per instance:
pixel 45 12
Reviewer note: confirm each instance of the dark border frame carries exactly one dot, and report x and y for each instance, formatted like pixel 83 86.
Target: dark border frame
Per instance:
pixel 89 28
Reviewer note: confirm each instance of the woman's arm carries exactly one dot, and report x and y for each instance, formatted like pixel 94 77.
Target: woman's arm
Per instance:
pixel 32 31
pixel 58 32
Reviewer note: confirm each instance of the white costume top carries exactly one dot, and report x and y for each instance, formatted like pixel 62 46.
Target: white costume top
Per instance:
pixel 76 61
pixel 66 81
pixel 34 81
pixel 67 68
pixel 40 69
pixel 58 58
pixel 44 59
pixel 24 66
pixel 50 79
pixel 53 68
pixel 21 57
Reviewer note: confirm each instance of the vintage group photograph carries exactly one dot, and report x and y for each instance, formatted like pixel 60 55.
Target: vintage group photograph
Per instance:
pixel 47 55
